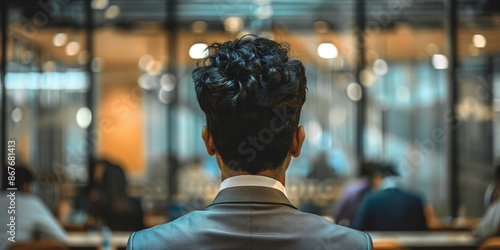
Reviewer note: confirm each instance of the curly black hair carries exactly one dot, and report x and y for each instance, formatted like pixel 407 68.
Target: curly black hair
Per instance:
pixel 251 93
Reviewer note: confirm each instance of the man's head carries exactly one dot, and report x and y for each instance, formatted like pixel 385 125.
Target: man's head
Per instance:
pixel 497 173
pixel 252 94
pixel 384 176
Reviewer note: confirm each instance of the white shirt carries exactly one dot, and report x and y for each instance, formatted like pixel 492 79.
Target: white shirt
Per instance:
pixel 252 180
pixel 31 216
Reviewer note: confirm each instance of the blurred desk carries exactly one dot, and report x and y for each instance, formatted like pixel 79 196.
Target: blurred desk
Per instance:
pixel 91 240
pixel 434 240
pixel 448 224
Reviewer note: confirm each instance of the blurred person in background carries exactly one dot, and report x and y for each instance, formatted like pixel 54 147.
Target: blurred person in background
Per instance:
pixel 391 208
pixel 252 95
pixel 108 202
pixel 493 190
pixel 489 225
pixel 321 168
pixel 33 219
pixel 355 191
pixel 88 194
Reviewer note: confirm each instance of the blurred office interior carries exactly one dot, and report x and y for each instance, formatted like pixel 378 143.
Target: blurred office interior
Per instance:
pixel 414 83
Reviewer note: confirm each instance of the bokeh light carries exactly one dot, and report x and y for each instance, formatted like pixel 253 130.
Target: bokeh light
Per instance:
pixel 83 117
pixel 354 91
pixel 439 61
pixel 72 48
pixel 327 50
pixel 60 39
pixel 479 41
pixel 197 51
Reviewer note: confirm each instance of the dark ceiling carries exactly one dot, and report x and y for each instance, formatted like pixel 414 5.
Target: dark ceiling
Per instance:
pixel 291 14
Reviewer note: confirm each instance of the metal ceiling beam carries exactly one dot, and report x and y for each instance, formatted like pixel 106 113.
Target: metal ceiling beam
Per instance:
pixel 172 161
pixel 360 65
pixel 89 98
pixel 428 13
pixel 451 122
pixel 3 68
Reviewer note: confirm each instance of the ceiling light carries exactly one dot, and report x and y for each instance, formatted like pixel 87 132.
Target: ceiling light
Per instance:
pixel 479 41
pixel 354 91
pixel 197 51
pixel 439 61
pixel 380 67
pixel 72 48
pixel 83 117
pixel 233 24
pixel 99 4
pixel 60 39
pixel 17 115
pixel 327 50
pixel 112 12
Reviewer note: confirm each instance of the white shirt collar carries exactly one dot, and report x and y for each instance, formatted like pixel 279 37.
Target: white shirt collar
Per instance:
pixel 252 180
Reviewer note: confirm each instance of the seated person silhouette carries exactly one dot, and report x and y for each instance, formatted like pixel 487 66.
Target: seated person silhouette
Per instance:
pixel 489 225
pixel 354 193
pixel 390 209
pixel 33 220
pixel 252 94
pixel 109 204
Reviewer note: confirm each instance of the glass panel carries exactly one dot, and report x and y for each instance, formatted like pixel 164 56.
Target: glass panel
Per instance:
pixel 478 46
pixel 406 91
pixel 46 87
pixel 130 64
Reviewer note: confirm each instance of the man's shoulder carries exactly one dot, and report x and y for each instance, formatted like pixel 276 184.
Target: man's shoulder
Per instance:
pixel 307 229
pixel 332 236
pixel 172 234
pixel 29 202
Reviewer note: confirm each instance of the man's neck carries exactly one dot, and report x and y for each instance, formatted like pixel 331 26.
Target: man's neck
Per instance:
pixel 275 174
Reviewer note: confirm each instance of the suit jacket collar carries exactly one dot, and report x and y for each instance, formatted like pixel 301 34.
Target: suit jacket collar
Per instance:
pixel 251 194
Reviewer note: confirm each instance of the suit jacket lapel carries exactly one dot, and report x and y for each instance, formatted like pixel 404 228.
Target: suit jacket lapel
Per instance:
pixel 251 194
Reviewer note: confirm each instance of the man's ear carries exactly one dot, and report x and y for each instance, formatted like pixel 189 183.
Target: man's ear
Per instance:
pixel 209 143
pixel 298 139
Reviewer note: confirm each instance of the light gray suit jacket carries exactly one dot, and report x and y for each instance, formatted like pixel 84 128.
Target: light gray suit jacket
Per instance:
pixel 250 218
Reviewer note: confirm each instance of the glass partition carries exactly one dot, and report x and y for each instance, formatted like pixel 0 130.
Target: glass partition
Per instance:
pixel 46 87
